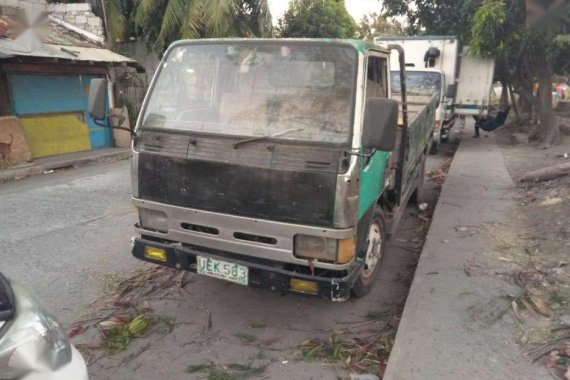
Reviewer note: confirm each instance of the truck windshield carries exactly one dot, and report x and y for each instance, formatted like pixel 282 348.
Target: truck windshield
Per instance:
pixel 293 91
pixel 417 82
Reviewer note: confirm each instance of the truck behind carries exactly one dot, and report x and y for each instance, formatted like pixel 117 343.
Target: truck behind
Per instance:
pixel 438 63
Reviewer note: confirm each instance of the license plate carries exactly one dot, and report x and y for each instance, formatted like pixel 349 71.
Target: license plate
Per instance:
pixel 224 270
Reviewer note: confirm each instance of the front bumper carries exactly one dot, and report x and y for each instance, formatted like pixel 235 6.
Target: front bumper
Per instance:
pixel 227 226
pixel 332 285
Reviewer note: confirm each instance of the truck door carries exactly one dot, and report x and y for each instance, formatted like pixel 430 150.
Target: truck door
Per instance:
pixel 372 169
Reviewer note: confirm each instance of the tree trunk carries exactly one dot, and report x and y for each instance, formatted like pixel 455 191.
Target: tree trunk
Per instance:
pixel 514 104
pixel 505 95
pixel 549 131
pixel 523 87
pixel 546 174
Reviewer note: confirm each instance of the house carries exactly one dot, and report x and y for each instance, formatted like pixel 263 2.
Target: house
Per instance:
pixel 46 65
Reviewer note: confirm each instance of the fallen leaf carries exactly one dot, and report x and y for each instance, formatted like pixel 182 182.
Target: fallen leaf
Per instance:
pixel 567 374
pixel 108 325
pixel 540 305
pixel 529 308
pixel 516 311
pixel 75 330
pixel 552 359
pixel 551 201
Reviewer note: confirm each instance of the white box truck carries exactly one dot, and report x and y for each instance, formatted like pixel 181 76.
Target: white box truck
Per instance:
pixel 435 63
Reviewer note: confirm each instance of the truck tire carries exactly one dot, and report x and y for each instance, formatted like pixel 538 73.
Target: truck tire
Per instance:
pixel 444 138
pixel 418 197
pixel 374 255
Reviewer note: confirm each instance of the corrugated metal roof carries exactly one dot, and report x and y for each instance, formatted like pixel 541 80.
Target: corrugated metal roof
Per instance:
pixel 50 39
pixel 29 45
pixel 79 53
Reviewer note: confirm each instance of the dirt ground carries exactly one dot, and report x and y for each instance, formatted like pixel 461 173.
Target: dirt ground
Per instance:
pixel 536 246
pixel 202 328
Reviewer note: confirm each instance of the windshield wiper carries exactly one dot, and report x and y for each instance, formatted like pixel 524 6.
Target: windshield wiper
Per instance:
pixel 247 141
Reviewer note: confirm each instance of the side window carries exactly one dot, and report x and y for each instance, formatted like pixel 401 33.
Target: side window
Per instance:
pixel 377 82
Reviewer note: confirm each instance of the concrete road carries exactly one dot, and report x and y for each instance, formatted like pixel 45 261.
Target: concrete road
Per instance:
pixel 62 233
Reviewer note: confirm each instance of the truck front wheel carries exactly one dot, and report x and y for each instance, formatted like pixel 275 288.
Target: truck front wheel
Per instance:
pixel 374 255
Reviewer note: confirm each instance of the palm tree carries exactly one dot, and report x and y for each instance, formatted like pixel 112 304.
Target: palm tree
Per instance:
pixel 160 22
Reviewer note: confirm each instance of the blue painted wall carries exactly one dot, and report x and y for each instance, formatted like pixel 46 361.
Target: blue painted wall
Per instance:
pixel 48 94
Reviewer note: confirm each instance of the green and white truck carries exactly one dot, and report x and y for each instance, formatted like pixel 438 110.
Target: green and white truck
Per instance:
pixel 280 163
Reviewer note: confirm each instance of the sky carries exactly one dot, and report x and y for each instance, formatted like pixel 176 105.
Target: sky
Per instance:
pixel 356 8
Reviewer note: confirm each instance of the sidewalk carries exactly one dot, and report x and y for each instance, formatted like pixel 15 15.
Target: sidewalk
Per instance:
pixel 456 326
pixel 74 160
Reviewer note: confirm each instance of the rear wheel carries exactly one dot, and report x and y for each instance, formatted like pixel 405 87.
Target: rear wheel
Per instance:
pixel 376 241
pixel 445 134
pixel 418 197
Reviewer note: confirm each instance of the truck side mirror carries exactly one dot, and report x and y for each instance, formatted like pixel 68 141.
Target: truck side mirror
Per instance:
pixel 380 124
pixel 450 91
pixel 97 99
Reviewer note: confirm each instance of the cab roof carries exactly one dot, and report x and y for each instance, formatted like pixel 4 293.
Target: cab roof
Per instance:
pixel 420 69
pixel 360 45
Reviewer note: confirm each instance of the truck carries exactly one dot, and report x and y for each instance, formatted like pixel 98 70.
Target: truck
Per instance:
pixel 438 63
pixel 281 164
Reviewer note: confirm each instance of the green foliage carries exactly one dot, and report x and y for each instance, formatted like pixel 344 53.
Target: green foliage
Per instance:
pixel 498 29
pixel 247 338
pixel 441 17
pixel 161 22
pixel 317 19
pixel 120 24
pixel 375 25
pixel 488 29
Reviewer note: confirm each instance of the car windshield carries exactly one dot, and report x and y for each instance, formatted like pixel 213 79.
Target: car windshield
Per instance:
pixel 417 82
pixel 294 91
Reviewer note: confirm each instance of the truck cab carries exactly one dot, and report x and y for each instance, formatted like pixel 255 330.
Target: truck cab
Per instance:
pixel 277 164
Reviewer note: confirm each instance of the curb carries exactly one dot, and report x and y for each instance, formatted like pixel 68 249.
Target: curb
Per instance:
pixel 36 169
pixel 455 324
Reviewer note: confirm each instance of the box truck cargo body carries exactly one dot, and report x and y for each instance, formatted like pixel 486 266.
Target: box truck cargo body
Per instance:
pixel 465 81
pixel 475 84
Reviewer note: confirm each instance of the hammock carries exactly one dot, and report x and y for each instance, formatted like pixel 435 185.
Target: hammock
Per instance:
pixel 491 123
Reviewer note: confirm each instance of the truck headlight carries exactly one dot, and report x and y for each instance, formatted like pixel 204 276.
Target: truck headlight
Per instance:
pixel 33 341
pixel 153 220
pixel 321 248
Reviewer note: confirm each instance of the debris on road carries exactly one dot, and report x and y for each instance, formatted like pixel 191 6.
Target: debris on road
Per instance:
pixel 439 175
pixel 123 313
pixel 365 351
pixel 535 242
pixel 233 371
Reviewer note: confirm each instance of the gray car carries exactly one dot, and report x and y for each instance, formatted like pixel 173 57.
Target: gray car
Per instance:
pixel 33 345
